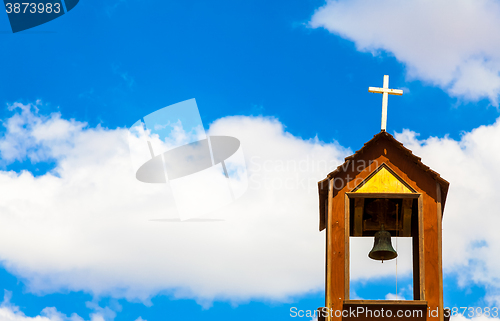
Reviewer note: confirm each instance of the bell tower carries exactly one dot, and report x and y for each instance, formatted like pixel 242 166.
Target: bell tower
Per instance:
pixel 383 190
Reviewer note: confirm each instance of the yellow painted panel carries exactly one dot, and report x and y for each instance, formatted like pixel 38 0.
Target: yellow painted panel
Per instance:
pixel 383 182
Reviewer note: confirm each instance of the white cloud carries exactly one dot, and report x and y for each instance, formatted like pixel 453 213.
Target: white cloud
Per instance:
pixel 87 225
pixel 470 238
pixel 11 312
pixel 37 137
pixel 392 296
pixel 405 293
pixel 453 44
pixel 460 317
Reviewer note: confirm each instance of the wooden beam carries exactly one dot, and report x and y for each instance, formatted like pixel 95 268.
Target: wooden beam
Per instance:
pixel 421 249
pixel 386 302
pixel 328 299
pixel 347 233
pixel 406 217
pixel 359 204
pixel 440 250
pixel 378 90
pixel 415 255
pixel 326 248
pixel 383 195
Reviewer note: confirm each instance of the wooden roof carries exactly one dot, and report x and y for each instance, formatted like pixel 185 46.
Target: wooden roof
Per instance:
pixel 323 184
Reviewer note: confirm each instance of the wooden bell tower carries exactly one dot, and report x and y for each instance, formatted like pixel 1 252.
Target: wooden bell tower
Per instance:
pixel 384 183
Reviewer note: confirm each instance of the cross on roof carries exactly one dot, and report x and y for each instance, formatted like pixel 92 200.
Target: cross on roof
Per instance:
pixel 385 91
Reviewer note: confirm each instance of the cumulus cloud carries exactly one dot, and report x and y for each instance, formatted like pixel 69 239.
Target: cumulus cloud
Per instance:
pixel 89 225
pixel 460 317
pixel 470 237
pixel 453 44
pixel 86 224
pixel 11 312
pixel 36 137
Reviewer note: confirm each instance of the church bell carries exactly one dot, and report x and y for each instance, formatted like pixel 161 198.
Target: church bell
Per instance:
pixel 382 247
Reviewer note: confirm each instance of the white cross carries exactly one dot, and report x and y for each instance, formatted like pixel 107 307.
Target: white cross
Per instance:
pixel 385 91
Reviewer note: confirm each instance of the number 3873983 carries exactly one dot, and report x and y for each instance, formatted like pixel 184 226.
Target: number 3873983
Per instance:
pixel 26 7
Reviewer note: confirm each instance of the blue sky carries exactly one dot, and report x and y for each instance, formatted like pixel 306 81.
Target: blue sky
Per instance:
pixel 289 79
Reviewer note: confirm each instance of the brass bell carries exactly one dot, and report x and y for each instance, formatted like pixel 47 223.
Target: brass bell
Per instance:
pixel 382 247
